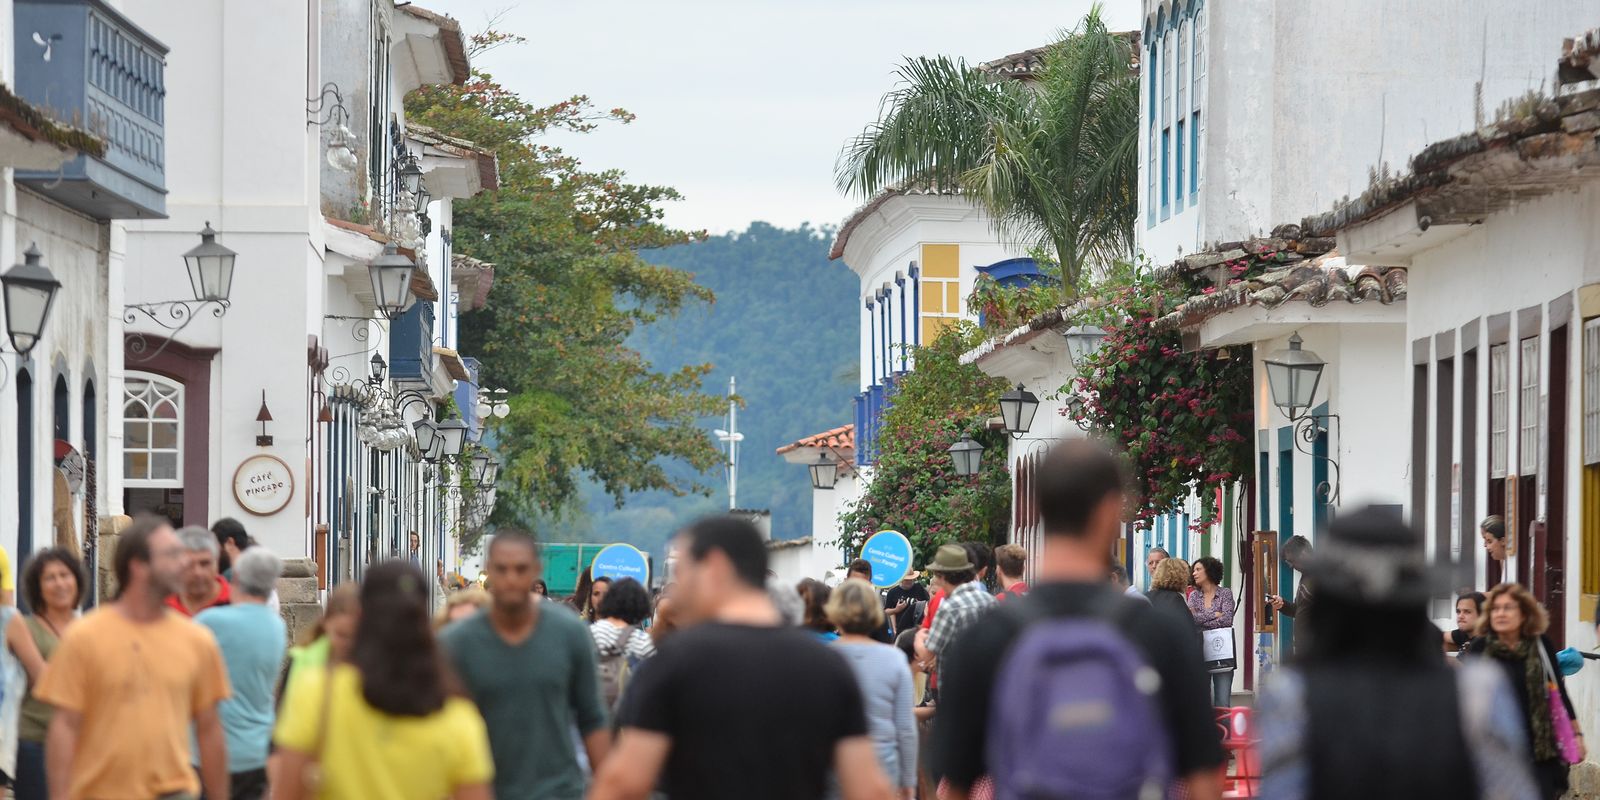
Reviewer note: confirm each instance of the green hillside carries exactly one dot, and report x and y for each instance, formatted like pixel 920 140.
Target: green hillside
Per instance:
pixel 785 324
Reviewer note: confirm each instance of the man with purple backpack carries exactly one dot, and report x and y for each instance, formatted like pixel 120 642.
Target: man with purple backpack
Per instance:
pixel 1076 690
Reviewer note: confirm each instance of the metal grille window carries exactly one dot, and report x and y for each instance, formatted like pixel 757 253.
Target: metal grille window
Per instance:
pixel 1499 409
pixel 1591 391
pixel 152 431
pixel 1528 408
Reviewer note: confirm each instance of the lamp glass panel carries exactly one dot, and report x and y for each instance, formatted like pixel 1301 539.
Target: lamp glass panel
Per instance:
pixel 27 307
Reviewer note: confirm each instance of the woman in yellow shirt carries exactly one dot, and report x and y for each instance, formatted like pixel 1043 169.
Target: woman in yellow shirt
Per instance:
pixel 391 721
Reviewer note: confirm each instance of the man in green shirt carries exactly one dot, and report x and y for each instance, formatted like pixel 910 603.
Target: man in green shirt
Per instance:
pixel 532 670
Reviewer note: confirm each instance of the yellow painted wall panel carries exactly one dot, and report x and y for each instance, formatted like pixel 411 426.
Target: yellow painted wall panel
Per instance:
pixel 933 326
pixel 941 261
pixel 932 302
pixel 952 298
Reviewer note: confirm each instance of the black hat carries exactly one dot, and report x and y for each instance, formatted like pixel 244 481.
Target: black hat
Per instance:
pixel 1370 556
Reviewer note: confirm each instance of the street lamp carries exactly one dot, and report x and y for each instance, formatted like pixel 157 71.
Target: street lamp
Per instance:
pixel 210 268
pixel 391 275
pixel 30 291
pixel 1017 408
pixel 426 433
pixel 966 454
pixel 480 467
pixel 1082 342
pixel 824 473
pixel 490 474
pixel 1292 376
pixel 453 432
pixel 411 175
pixel 379 368
pixel 492 402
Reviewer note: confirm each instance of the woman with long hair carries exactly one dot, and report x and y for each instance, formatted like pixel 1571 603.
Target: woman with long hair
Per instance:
pixel 1511 634
pixel 360 729
pixel 814 594
pixel 1369 708
pixel 52 584
pixel 1211 605
pixel 329 638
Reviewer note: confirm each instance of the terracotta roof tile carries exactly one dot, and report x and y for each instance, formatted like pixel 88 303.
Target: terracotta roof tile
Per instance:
pixel 841 438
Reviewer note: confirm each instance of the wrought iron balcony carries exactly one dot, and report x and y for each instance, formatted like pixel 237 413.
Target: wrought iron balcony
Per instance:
pixel 88 66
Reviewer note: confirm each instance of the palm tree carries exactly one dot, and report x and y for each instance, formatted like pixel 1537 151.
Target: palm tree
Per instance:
pixel 1054 164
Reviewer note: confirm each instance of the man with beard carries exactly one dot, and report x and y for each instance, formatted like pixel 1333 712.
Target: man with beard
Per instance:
pixel 128 681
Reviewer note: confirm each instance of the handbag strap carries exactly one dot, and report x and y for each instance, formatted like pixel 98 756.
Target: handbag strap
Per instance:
pixel 1544 659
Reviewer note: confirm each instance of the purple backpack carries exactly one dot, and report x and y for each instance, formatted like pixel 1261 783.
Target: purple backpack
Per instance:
pixel 1075 715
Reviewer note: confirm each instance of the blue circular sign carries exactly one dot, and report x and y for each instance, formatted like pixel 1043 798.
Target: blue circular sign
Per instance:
pixel 618 561
pixel 889 553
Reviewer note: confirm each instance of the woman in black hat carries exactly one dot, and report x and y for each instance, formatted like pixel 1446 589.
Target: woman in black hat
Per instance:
pixel 1371 709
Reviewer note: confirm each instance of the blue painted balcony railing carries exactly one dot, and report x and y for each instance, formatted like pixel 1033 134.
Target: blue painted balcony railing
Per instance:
pixel 97 71
pixel 411 345
pixel 870 406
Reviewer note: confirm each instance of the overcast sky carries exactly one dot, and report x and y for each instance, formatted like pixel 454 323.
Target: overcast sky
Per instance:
pixel 743 104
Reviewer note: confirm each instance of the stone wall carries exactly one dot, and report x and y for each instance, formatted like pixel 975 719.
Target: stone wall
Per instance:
pixel 298 599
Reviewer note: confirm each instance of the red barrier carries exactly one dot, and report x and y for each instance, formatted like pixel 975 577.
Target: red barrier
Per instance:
pixel 1241 775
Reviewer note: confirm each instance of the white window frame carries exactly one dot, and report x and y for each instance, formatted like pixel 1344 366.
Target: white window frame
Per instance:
pixel 1591 391
pixel 1197 75
pixel 1499 409
pixel 178 398
pixel 1528 408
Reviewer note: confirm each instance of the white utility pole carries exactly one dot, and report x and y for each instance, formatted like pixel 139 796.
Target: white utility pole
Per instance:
pixel 732 437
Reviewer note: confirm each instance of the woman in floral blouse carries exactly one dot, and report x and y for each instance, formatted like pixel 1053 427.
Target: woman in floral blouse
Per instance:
pixel 1212 607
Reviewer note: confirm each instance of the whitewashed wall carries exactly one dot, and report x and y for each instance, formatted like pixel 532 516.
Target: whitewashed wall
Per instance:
pixel 891 237
pixel 1305 97
pixel 242 156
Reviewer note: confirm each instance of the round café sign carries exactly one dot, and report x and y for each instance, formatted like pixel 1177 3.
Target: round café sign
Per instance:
pixel 263 485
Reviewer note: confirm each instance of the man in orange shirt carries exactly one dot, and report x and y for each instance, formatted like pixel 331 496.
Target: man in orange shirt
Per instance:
pixel 202 586
pixel 129 679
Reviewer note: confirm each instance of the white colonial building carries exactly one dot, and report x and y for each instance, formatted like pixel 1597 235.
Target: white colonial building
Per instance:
pixel 82 114
pixel 232 396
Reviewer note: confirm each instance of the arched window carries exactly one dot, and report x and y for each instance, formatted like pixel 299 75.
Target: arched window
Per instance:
pixel 62 406
pixel 25 434
pixel 1197 75
pixel 91 421
pixel 152 430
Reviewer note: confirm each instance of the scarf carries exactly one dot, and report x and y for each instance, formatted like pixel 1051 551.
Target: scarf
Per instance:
pixel 1538 695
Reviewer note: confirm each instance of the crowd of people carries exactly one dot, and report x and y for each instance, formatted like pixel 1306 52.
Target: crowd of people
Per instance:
pixel 730 683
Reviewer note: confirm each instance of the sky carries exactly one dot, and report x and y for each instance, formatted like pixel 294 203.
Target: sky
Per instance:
pixel 743 105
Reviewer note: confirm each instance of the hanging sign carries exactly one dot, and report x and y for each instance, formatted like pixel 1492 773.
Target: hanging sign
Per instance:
pixel 889 553
pixel 263 485
pixel 618 561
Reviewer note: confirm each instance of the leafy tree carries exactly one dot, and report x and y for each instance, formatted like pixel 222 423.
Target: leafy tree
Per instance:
pixel 914 488
pixel 570 288
pixel 1054 163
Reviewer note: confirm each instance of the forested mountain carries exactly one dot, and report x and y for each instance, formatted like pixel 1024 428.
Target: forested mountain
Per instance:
pixel 785 325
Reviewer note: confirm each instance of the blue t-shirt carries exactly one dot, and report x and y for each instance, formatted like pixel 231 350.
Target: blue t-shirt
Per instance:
pixel 252 640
